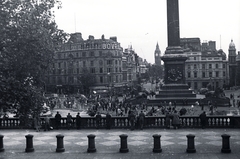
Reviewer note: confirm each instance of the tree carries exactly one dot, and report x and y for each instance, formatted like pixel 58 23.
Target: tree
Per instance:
pixel 29 38
pixel 87 79
pixel 155 71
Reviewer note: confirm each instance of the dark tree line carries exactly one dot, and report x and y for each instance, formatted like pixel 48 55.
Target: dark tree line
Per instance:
pixel 29 38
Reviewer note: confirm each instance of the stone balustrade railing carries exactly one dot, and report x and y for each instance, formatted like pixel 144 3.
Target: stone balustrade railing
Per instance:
pixel 123 122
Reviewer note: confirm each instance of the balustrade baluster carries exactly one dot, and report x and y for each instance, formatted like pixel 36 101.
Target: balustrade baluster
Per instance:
pixel 228 121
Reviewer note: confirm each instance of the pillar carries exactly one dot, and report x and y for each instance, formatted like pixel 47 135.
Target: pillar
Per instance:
pixel 1 143
pixel 173 23
pixel 190 144
pixel 91 143
pixel 60 146
pixel 157 143
pixel 124 145
pixel 29 143
pixel 225 144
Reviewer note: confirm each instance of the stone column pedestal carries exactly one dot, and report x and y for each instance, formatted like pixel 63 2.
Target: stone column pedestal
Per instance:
pixel 157 143
pixel 60 145
pixel 124 145
pixel 1 143
pixel 29 143
pixel 190 144
pixel 225 144
pixel 91 143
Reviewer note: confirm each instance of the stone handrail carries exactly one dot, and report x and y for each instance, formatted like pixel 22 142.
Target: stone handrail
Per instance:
pixel 123 122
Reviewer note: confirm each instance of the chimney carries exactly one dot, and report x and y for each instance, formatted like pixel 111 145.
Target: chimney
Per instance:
pixel 75 38
pixel 212 45
pixel 114 38
pixel 90 37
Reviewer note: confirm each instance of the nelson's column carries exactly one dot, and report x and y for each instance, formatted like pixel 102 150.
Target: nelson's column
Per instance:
pixel 174 87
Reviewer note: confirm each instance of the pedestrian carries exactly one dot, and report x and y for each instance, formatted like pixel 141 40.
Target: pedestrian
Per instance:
pixel 175 104
pixel 233 102
pixel 5 116
pixel 203 119
pixel 47 123
pixel 78 121
pixel 168 120
pixel 131 118
pixel 58 118
pixel 176 120
pixel 108 121
pixel 37 122
pixel 69 121
pixel 141 119
pixel 98 120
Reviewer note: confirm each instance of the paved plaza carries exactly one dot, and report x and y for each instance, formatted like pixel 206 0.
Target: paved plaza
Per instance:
pixel 208 144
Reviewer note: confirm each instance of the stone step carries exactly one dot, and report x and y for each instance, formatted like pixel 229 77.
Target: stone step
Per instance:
pixel 173 95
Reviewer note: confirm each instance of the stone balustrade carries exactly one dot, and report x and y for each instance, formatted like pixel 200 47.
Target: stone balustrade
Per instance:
pixel 123 122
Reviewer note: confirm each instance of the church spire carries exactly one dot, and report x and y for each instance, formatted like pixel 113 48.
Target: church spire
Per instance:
pixel 157 55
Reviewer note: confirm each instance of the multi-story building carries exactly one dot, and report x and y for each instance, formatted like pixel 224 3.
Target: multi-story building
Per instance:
pixel 205 66
pixel 101 57
pixel 131 66
pixel 238 69
pixel 190 44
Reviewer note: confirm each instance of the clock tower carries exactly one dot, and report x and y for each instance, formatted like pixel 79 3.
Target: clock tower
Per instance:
pixel 157 56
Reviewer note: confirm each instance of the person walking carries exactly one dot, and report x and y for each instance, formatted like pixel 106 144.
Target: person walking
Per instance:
pixel 131 118
pixel 203 119
pixel 69 121
pixel 78 121
pixel 108 121
pixel 168 120
pixel 141 119
pixel 58 118
pixel 176 120
pixel 37 122
pixel 98 120
pixel 47 123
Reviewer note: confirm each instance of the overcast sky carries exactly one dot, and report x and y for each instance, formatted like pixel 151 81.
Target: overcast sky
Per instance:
pixel 143 23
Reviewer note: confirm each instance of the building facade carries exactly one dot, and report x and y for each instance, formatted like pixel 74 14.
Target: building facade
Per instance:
pixel 205 67
pixel 238 69
pixel 101 57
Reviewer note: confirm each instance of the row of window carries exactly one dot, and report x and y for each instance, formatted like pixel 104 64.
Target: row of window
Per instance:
pixel 61 80
pixel 79 71
pixel 204 74
pixel 85 63
pixel 61 55
pixel 210 66
pixel 198 85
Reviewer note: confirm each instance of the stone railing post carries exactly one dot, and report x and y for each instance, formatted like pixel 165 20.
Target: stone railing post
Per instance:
pixel 60 146
pixel 157 143
pixel 1 143
pixel 29 143
pixel 190 144
pixel 91 143
pixel 124 145
pixel 225 144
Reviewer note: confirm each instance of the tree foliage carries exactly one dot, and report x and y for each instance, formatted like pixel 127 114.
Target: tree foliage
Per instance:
pixel 29 38
pixel 87 79
pixel 155 71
